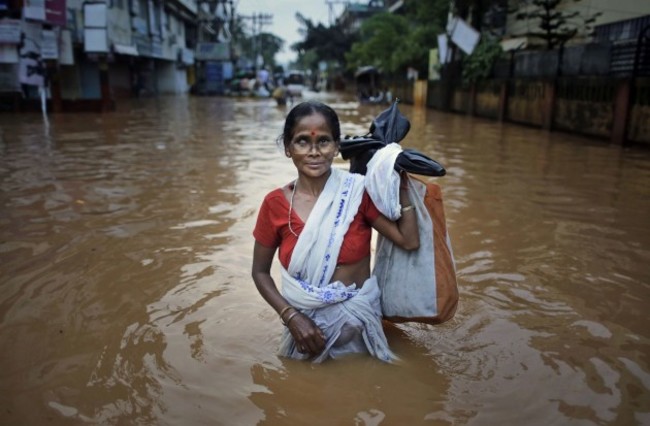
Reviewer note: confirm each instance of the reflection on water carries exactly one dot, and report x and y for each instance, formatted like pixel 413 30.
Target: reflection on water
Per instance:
pixel 125 245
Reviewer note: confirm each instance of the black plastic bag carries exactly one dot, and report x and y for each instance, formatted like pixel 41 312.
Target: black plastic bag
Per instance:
pixel 389 126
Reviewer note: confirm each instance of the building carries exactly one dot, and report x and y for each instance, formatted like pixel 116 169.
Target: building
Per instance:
pixel 74 50
pixel 354 14
pixel 583 16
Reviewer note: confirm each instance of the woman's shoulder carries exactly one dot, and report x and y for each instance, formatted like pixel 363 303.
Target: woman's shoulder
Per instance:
pixel 277 193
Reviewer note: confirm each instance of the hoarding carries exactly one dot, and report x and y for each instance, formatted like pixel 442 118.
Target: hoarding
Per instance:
pixel 213 51
pixel 55 12
pixel 464 36
pixel 10 31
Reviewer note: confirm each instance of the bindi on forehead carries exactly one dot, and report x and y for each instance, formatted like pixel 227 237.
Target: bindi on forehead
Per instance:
pixel 313 133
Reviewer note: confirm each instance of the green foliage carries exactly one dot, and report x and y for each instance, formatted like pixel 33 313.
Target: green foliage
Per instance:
pixel 393 43
pixel 321 43
pixel 249 46
pixel 269 45
pixel 478 65
pixel 382 43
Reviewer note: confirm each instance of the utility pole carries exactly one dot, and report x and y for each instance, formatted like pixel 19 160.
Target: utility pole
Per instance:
pixel 332 12
pixel 259 20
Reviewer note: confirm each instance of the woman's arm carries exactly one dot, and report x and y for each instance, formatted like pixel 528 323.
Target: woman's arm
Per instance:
pixel 309 338
pixel 404 231
pixel 261 272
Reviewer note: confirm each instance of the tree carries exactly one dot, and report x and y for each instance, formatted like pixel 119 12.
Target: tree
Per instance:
pixel 478 65
pixel 382 43
pixel 395 42
pixel 556 23
pixel 321 43
pixel 266 45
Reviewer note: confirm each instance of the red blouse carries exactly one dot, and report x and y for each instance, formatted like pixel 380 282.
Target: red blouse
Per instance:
pixel 272 228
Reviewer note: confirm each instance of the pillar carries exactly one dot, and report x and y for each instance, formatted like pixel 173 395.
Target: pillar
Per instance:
pixel 621 111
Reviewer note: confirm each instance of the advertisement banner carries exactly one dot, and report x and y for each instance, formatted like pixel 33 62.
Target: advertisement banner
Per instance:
pixel 55 12
pixel 50 45
pixel 66 53
pixel 34 9
pixel 30 67
pixel 443 49
pixel 434 64
pixel 10 31
pixel 464 36
pixel 95 40
pixel 213 51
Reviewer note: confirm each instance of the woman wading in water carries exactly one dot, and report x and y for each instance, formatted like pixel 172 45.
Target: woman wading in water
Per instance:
pixel 321 223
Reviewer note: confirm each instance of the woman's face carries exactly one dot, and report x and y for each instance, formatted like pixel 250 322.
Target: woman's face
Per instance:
pixel 312 147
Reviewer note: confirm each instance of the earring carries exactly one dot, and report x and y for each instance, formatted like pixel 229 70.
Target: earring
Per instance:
pixel 288 154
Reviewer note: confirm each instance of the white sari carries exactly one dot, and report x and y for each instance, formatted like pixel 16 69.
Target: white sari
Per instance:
pixel 349 317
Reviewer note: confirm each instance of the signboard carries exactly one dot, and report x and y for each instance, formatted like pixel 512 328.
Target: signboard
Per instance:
pixel 50 45
pixel 95 33
pixel 66 53
pixel 186 56
pixel 214 78
pixel 433 64
pixel 55 12
pixel 34 9
pixel 30 67
pixel 10 31
pixel 95 15
pixel 443 49
pixel 213 51
pixel 464 36
pixel 95 40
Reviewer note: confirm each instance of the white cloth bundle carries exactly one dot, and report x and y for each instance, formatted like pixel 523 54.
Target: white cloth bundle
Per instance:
pixel 407 279
pixel 382 181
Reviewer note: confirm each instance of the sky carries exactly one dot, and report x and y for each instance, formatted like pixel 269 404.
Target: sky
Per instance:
pixel 284 23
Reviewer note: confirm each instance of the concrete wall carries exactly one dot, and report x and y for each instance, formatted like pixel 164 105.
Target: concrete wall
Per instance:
pixel 593 106
pixel 487 99
pixel 639 122
pixel 171 79
pixel 585 105
pixel 525 100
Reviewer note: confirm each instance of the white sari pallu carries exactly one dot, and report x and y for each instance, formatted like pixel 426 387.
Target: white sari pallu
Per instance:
pixel 349 317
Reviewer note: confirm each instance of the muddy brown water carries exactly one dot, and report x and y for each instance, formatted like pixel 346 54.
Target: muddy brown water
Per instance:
pixel 126 298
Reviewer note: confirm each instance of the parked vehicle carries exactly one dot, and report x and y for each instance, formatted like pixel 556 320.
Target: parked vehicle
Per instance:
pixel 295 82
pixel 369 86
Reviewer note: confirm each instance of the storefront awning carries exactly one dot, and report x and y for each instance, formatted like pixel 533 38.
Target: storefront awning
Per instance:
pixel 514 43
pixel 123 49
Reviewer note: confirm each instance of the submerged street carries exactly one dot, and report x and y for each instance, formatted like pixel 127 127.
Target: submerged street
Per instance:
pixel 126 297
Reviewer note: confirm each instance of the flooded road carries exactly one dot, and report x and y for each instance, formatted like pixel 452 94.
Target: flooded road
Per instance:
pixel 126 297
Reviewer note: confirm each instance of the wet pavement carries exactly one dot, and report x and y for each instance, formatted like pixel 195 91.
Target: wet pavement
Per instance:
pixel 126 298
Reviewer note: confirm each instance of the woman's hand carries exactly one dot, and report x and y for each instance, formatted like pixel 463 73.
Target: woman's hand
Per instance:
pixel 308 337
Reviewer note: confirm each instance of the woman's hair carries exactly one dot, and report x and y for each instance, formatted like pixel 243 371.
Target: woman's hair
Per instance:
pixel 306 109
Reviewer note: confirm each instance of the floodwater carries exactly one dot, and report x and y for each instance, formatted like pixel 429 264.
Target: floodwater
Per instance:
pixel 126 298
